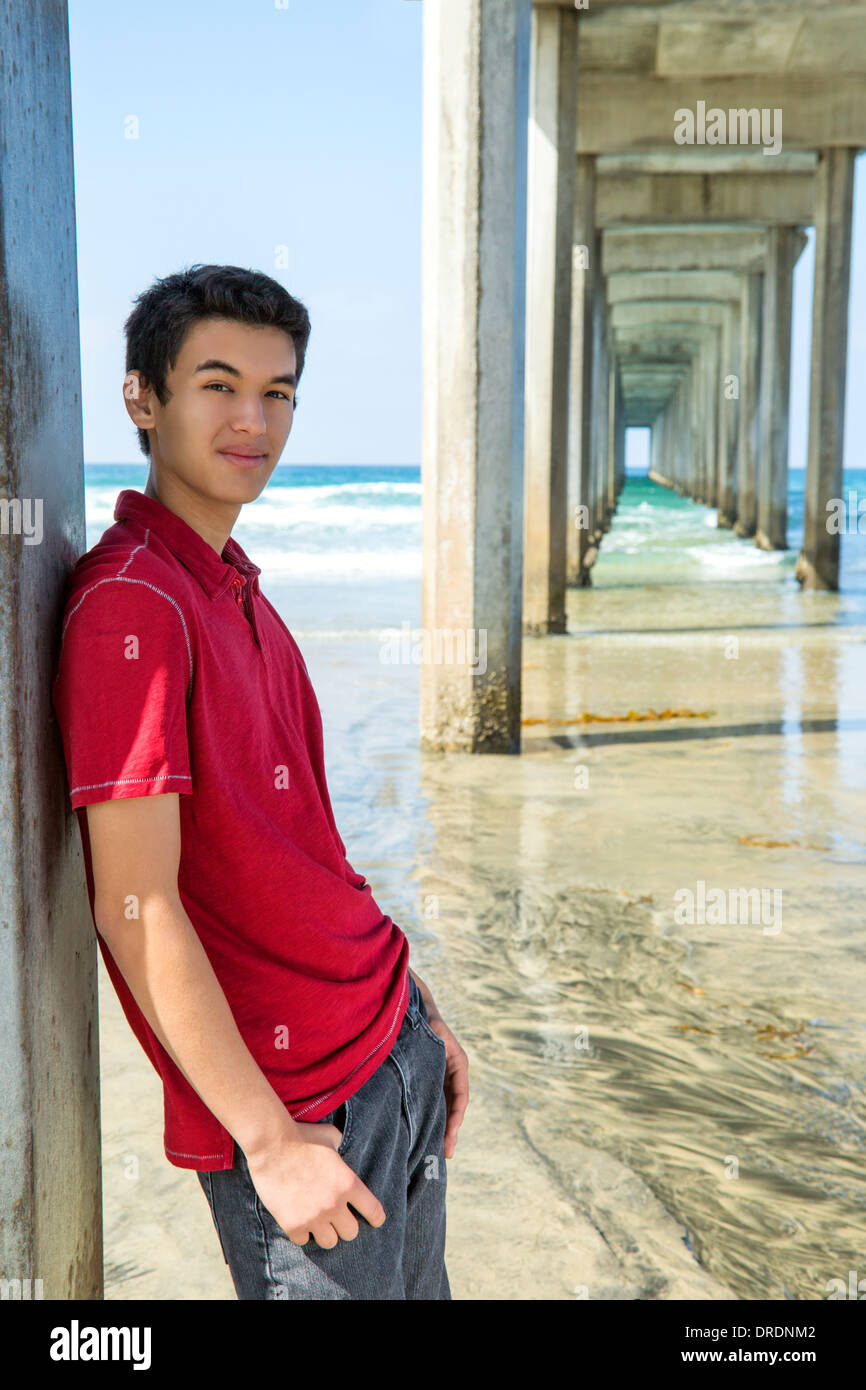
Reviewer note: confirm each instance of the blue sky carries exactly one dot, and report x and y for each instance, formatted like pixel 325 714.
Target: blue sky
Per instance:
pixel 300 127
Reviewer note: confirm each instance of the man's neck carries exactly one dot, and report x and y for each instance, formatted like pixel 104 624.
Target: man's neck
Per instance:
pixel 207 520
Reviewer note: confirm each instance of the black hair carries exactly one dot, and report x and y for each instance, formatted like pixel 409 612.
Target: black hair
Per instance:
pixel 164 313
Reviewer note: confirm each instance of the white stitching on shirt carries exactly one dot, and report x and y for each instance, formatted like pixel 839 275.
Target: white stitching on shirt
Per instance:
pixel 124 781
pixel 118 579
pixel 178 1154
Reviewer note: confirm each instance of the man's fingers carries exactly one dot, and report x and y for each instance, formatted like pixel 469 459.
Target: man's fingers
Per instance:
pixel 367 1204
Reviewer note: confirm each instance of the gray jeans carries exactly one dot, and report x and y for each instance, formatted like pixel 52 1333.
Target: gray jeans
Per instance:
pixel 393 1138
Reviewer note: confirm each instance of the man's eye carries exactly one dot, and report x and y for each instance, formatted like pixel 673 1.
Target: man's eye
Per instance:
pixel 221 385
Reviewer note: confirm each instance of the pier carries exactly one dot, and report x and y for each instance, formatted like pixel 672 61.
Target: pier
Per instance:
pixel 615 198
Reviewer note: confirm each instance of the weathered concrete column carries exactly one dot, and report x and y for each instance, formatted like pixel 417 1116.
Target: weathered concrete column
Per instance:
pixel 599 417
pixel 580 551
pixel 697 429
pixel 772 481
pixel 619 436
pixel 729 417
pixel 550 233
pixel 476 113
pixel 818 562
pixel 673 438
pixel 684 442
pixel 50 1177
pixel 712 410
pixel 613 427
pixel 657 450
pixel 750 393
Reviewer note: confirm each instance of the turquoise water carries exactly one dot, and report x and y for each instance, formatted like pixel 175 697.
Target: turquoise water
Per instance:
pixel 321 529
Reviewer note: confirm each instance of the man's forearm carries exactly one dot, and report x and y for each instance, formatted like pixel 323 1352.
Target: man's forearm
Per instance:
pixel 172 980
pixel 432 1011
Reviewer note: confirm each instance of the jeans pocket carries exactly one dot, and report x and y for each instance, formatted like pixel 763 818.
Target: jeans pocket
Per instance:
pixel 341 1118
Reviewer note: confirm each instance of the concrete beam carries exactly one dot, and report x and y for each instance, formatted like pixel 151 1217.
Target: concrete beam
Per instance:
pixel 657 247
pixel 768 198
pixel 629 286
pixel 476 116
pixel 628 113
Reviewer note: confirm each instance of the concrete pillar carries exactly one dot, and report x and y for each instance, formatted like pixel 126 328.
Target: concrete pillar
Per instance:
pixel 50 1177
pixel 550 232
pixel 680 437
pixel 581 552
pixel 697 430
pixel 749 413
pixel 712 410
pixel 612 434
pixel 728 417
pixel 619 454
pixel 772 482
pixel 818 562
pixel 600 413
pixel 476 113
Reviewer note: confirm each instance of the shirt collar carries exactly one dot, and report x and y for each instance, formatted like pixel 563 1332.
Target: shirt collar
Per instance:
pixel 212 572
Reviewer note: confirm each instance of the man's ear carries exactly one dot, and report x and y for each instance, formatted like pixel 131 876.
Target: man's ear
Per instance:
pixel 137 400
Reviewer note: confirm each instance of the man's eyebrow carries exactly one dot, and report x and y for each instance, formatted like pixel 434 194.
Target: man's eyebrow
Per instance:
pixel 213 364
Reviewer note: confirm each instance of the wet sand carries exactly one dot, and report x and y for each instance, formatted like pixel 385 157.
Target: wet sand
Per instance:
pixel 660 1110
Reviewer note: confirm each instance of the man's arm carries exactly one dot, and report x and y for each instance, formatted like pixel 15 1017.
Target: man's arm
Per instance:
pixel 135 851
pixel 135 848
pixel 432 1011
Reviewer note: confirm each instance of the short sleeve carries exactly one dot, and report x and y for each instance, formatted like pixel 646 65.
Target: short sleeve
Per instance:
pixel 120 691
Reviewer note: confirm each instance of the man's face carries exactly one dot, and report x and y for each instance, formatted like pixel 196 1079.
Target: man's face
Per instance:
pixel 237 403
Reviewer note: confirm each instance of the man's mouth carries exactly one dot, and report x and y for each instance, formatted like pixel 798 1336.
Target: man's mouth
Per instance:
pixel 243 460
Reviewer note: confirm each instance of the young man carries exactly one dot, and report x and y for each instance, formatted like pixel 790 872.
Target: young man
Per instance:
pixel 308 1077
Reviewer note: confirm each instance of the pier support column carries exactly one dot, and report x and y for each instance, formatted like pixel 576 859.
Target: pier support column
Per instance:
pixel 619 437
pixel 599 416
pixel 749 412
pixel 729 378
pixel 581 551
pixel 818 562
pixel 50 1174
pixel 712 412
pixel 550 233
pixel 614 412
pixel 772 520
pixel 681 438
pixel 697 432
pixel 585 257
pixel 476 114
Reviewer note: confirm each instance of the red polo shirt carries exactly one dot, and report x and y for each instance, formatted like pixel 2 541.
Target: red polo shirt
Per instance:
pixel 175 674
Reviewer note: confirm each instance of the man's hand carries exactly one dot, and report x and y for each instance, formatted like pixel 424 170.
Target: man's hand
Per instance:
pixel 306 1187
pixel 456 1084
